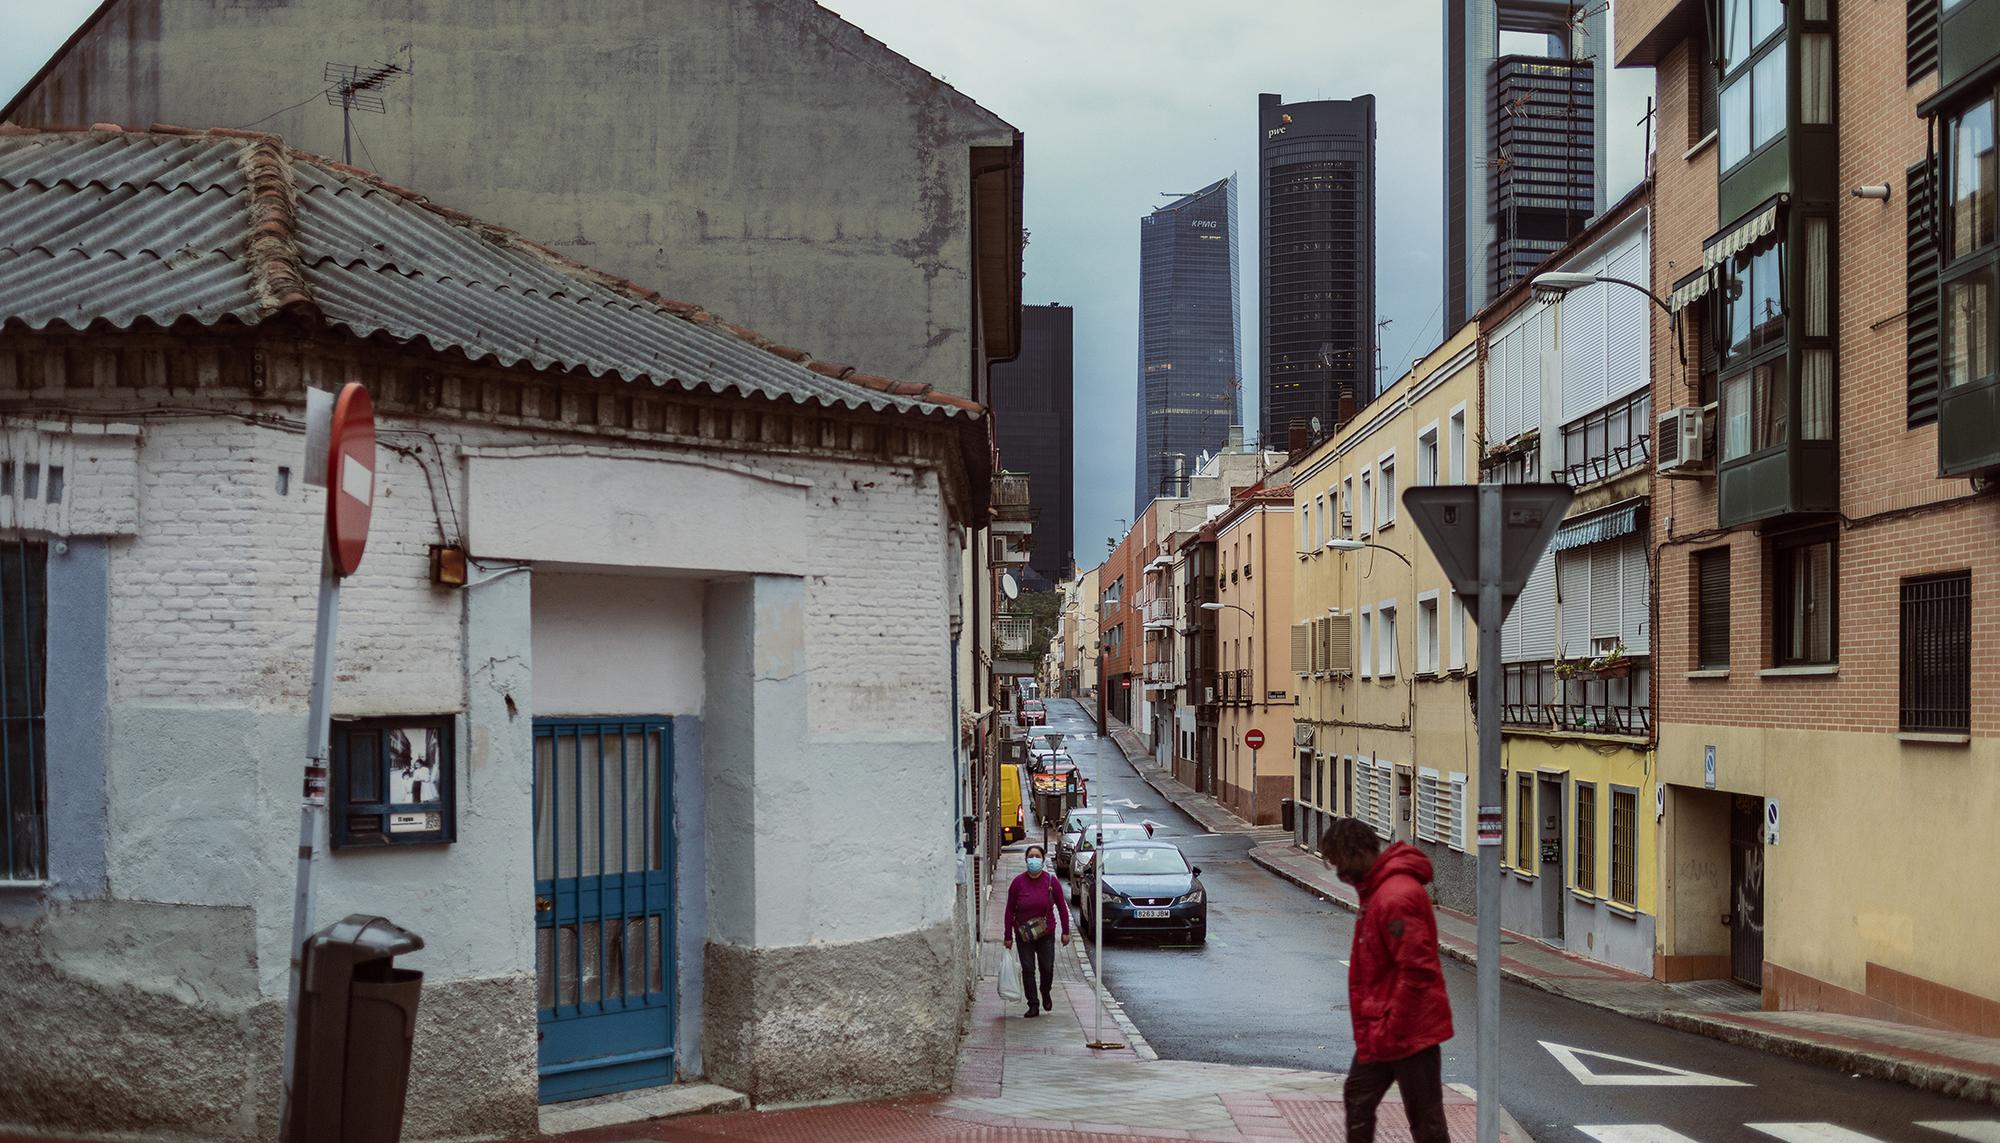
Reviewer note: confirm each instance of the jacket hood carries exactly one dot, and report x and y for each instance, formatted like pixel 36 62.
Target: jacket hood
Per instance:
pixel 1402 857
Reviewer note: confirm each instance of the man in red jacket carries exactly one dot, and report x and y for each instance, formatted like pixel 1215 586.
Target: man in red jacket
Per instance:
pixel 1395 986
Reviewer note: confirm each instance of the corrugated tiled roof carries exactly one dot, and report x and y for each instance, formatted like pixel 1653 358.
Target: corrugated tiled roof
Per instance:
pixel 113 226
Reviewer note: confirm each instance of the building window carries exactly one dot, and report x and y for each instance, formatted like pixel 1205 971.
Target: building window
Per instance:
pixel 1386 509
pixel 24 657
pixel 392 782
pixel 1702 115
pixel 1937 654
pixel 1712 602
pixel 1456 620
pixel 1427 635
pixel 1305 529
pixel 1427 455
pixel 1624 846
pixel 1608 441
pixel 1524 822
pixel 1751 105
pixel 1367 642
pixel 1458 446
pixel 1804 575
pixel 1586 837
pixel 1752 295
pixel 1385 627
pixel 1431 805
pixel 1756 410
pixel 1969 314
pixel 1347 509
pixel 1367 504
pixel 1455 814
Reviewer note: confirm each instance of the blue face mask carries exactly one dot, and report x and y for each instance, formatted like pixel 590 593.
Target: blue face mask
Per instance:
pixel 1034 865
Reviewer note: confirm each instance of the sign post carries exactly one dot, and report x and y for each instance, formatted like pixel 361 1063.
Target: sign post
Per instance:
pixel 1487 539
pixel 340 455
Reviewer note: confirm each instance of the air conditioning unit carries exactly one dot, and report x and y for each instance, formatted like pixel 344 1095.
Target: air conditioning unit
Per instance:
pixel 1680 440
pixel 1208 696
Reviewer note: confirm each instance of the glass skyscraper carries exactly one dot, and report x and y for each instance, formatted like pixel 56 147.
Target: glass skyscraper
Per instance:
pixel 1316 177
pixel 1190 344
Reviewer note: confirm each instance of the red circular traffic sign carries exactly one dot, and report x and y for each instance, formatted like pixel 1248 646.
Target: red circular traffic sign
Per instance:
pixel 1253 738
pixel 350 477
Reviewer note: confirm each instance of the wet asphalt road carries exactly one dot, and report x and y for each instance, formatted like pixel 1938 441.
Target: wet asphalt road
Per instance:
pixel 1269 989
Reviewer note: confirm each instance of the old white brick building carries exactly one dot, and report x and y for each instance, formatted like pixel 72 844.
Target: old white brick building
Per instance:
pixel 712 586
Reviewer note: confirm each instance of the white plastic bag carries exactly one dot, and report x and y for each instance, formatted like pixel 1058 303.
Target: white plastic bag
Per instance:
pixel 1010 977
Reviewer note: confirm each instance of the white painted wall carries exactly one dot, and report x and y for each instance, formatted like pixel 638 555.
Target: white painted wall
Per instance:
pixel 616 644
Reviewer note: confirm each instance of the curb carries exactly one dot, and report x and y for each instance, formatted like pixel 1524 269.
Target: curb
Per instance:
pixel 1140 1047
pixel 1939 1079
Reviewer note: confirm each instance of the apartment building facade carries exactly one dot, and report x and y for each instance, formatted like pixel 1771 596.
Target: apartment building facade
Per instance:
pixel 1253 591
pixel 1380 648
pixel 1568 398
pixel 1821 559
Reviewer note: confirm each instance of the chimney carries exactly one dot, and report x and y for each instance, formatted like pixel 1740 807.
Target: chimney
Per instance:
pixel 1234 442
pixel 1180 474
pixel 1347 409
pixel 1298 438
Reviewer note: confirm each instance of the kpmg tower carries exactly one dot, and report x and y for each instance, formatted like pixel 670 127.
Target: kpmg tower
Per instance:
pixel 1316 184
pixel 1523 141
pixel 1190 348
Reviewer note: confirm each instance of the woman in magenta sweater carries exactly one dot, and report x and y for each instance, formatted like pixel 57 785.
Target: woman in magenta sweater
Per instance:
pixel 1035 901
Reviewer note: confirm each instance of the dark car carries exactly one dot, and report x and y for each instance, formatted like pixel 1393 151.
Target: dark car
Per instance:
pixel 1150 890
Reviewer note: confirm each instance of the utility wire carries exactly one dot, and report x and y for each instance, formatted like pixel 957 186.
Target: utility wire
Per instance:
pixel 280 111
pixel 1405 363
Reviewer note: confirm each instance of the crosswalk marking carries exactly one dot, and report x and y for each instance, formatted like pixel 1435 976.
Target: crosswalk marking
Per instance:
pixel 1977 1130
pixel 1811 1133
pixel 1635 1133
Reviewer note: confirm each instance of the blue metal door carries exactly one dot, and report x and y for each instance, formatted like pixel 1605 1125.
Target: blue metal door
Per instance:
pixel 604 924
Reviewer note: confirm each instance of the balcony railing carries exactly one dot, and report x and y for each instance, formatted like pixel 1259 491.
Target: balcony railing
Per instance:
pixel 1236 688
pixel 1617 701
pixel 1158 612
pixel 1010 490
pixel 1608 442
pixel 1013 633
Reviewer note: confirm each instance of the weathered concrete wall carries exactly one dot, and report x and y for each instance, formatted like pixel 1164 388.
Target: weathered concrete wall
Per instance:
pixel 767 159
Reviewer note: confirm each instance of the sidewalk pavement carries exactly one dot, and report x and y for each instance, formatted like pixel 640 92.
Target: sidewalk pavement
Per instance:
pixel 1034 1081
pixel 1946 1062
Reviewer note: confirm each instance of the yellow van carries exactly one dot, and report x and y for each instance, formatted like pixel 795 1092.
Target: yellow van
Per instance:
pixel 1013 823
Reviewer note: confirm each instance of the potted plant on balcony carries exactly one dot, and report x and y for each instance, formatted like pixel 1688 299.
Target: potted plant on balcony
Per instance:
pixel 1612 664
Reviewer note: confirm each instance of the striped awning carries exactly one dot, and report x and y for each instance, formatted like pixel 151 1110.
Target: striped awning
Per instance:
pixel 1691 289
pixel 1744 235
pixel 1598 527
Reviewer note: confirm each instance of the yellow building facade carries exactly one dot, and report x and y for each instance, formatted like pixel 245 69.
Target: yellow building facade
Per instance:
pixel 1381 649
pixel 1253 600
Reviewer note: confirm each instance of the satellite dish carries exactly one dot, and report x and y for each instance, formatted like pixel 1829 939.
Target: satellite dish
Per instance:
pixel 1315 426
pixel 1008 587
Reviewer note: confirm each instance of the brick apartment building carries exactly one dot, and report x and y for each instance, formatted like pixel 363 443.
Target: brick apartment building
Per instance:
pixel 1823 565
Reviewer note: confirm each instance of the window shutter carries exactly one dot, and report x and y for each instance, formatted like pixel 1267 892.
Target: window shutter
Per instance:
pixel 1712 603
pixel 1628 336
pixel 1921 283
pixel 1301 649
pixel 1573 582
pixel 1634 620
pixel 1583 357
pixel 1606 582
pixel 1922 35
pixel 1456 817
pixel 1534 618
pixel 1340 644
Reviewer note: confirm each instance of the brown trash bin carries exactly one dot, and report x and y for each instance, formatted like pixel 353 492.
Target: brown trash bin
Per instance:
pixel 357 1021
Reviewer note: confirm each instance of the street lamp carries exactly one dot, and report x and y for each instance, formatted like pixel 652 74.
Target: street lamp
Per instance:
pixel 1220 606
pixel 1554 284
pixel 1363 545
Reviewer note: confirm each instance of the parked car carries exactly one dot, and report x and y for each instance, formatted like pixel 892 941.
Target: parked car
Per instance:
pixel 1033 713
pixel 1074 824
pixel 1086 844
pixel 1149 890
pixel 1013 822
pixel 1041 759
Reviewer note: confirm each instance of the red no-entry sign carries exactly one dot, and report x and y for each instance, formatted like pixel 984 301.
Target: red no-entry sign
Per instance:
pixel 1253 738
pixel 350 477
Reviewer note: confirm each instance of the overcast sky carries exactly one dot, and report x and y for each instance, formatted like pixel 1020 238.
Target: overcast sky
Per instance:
pixel 1121 101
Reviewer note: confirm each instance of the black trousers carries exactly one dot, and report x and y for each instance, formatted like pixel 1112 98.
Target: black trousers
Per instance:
pixel 1038 955
pixel 1421 1078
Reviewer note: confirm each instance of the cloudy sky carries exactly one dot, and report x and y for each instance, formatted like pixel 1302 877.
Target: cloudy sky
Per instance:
pixel 1122 101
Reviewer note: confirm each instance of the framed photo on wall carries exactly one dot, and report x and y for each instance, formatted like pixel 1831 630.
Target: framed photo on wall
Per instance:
pixel 394 782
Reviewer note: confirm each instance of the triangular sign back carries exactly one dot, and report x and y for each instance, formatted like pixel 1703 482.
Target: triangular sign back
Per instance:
pixel 1448 517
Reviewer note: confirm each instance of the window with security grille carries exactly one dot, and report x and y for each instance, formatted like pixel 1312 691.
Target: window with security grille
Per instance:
pixel 1455 813
pixel 1524 822
pixel 1712 603
pixel 1624 846
pixel 24 589
pixel 1586 837
pixel 1937 654
pixel 1431 798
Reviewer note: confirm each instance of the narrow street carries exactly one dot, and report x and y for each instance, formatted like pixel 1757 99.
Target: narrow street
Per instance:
pixel 1270 988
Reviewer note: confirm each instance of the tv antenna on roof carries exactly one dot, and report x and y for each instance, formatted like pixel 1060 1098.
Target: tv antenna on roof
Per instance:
pixel 354 87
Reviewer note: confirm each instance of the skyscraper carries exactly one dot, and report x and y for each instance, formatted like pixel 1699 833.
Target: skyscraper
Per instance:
pixel 1190 344
pixel 1034 424
pixel 1316 180
pixel 1523 141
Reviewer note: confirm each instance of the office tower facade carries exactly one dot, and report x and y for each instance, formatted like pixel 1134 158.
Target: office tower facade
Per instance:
pixel 1034 424
pixel 1523 141
pixel 1190 338
pixel 1316 187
